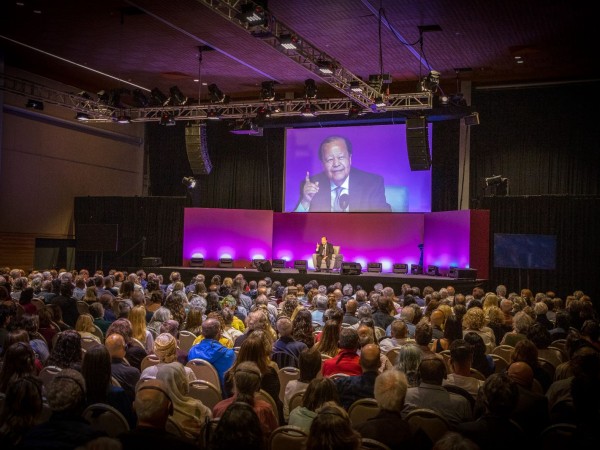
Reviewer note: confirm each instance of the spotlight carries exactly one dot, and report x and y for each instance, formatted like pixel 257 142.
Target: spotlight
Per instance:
pixel 264 112
pixel 103 96
pixel 35 104
pixel 247 126
pixel 374 267
pixel 189 182
pixel 310 88
pixel 85 95
pixel 158 98
pixel 124 119
pixel 325 67
pixel 216 95
pixel 355 111
pixel 140 99
pixel 278 264
pixel 355 86
pixel 494 180
pixel 167 119
pixel 267 91
pixel 254 15
pixel 197 261
pixel 499 184
pixel 213 114
pixel 472 119
pixel 379 104
pixel 431 82
pixel 82 117
pixel 300 265
pixel 309 110
pixel 288 41
pixel 400 268
pixel 226 262
pixel 177 97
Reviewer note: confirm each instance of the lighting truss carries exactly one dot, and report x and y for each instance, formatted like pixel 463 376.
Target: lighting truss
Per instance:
pixel 100 112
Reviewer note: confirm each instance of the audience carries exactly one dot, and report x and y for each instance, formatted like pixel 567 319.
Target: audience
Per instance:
pixel 309 364
pixel 331 429
pixel 347 359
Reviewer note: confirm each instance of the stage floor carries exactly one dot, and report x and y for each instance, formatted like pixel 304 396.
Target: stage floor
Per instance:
pixel 366 280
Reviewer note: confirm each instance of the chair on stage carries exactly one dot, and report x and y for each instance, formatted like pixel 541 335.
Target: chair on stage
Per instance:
pixel 334 264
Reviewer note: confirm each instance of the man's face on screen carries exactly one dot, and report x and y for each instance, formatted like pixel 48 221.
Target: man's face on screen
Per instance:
pixel 336 161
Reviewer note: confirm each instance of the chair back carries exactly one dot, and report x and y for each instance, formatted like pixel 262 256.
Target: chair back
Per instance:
pixel 504 350
pixel 372 444
pixel 264 395
pixel 287 437
pixel 103 417
pixel 204 370
pixel 561 353
pixel 500 363
pixel 137 343
pixel 561 344
pixel 206 392
pixel 149 360
pixel 207 431
pixel 557 437
pixel 98 332
pixel 392 354
pixel 186 340
pixel 82 307
pixel 462 392
pixel 446 355
pixel 296 399
pixel 431 422
pixel 477 374
pixel 286 374
pixel 335 376
pixel 284 359
pixel 115 382
pixel 547 366
pixel 38 303
pixel 552 355
pixel 48 373
pixel 379 333
pixel 88 342
pixel 362 410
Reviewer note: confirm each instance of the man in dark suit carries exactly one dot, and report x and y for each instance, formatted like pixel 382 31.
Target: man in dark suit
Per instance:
pixel 340 187
pixel 325 252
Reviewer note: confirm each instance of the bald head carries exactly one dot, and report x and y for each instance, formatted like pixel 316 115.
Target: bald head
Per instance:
pixel 211 329
pixel 521 373
pixel 370 358
pixel 115 344
pixel 437 318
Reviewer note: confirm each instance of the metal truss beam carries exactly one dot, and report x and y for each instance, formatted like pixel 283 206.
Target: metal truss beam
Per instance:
pixel 100 112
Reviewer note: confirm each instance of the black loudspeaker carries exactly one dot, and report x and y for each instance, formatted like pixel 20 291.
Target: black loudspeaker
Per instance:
pixel 416 269
pixel 300 265
pixel 374 267
pixel 464 274
pixel 279 263
pixel 400 268
pixel 417 144
pixel 196 147
pixel 97 237
pixel 433 270
pixel 196 262
pixel 151 261
pixel 351 268
pixel 264 265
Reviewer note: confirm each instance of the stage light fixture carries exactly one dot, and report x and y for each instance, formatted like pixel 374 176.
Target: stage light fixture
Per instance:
pixel 400 268
pixel 226 262
pixel 310 88
pixel 140 99
pixel 167 119
pixel 351 268
pixel 499 184
pixel 374 267
pixel 325 67
pixel 263 112
pixel 158 98
pixel 267 90
pixel 35 104
pixel 308 110
pixel 355 111
pixel 213 114
pixel 431 82
pixel 253 15
pixel 416 269
pixel 494 180
pixel 197 261
pixel 300 265
pixel 472 119
pixel 247 126
pixel 123 118
pixel 433 271
pixel 216 95
pixel 189 182
pixel 82 117
pixel 85 95
pixel 177 97
pixel 356 86
pixel 278 263
pixel 288 41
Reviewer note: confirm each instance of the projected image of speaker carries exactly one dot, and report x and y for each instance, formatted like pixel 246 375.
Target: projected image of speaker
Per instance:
pixel 400 268
pixel 374 267
pixel 351 268
pixel 416 269
pixel 417 143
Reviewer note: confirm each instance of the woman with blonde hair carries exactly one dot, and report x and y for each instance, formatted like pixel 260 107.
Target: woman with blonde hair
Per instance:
pixel 137 317
pixel 91 295
pixel 85 327
pixel 474 320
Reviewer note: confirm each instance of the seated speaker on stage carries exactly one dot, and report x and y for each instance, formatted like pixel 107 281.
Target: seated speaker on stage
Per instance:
pixel 327 256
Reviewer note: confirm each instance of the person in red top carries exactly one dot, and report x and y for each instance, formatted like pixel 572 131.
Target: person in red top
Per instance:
pixel 347 360
pixel 246 382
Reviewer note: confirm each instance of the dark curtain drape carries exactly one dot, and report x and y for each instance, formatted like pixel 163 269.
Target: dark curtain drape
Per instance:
pixel 444 167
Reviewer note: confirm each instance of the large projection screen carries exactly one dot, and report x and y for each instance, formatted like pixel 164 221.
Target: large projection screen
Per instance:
pixel 379 150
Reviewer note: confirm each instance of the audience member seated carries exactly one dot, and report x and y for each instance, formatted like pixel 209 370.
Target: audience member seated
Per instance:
pixel 309 364
pixel 408 361
pixel 328 339
pixel 133 353
pixel 521 323
pixel 526 351
pixel 494 429
pixel 31 325
pixel 474 321
pixel 153 407
pixel 165 348
pixel 461 358
pixel 66 428
pixel 320 307
pixel 66 353
pixel 21 410
pixel 238 424
pixel 350 314
pixel 430 393
pixel 286 343
pixel 355 387
pixel 211 350
pixel 189 413
pixel 126 375
pixel 347 360
pixel 172 327
pixel 67 304
pixel 137 317
pixel 246 383
pixel 318 392
pixel 331 429
pixel 482 362
pixel 398 336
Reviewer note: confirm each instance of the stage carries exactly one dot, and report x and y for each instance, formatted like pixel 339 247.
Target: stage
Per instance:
pixel 366 280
